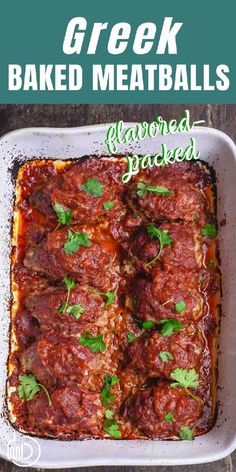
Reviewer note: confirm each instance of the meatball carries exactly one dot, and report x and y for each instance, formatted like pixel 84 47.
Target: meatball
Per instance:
pixel 148 409
pixel 41 197
pixel 85 205
pixel 56 359
pixel 183 249
pixel 157 299
pixel 88 264
pixel 81 408
pixel 26 328
pixel 185 201
pixel 122 229
pixel 44 306
pixel 72 411
pixel 183 350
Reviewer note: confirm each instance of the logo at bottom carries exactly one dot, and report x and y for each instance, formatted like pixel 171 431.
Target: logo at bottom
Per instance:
pixel 23 451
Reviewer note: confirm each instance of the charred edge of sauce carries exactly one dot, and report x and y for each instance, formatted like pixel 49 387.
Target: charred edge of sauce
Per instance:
pixel 211 341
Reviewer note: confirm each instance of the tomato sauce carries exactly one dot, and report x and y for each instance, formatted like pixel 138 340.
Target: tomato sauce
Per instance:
pixel 145 278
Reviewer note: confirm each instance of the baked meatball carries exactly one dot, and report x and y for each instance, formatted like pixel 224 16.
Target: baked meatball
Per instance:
pixel 89 264
pixel 183 250
pixel 72 193
pixel 157 355
pixel 55 359
pixel 148 409
pixel 44 306
pixel 184 200
pixel 157 299
pixel 72 411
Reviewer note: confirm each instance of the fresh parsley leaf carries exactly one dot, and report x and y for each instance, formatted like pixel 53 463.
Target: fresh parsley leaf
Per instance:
pixel 170 326
pixel 186 433
pixel 107 396
pixel 75 310
pixel 69 283
pixel 74 241
pixel 131 337
pixel 93 186
pixel 180 306
pixel 110 297
pixel 108 205
pixel 94 343
pixel 64 216
pixel 209 230
pixel 143 189
pixel 184 378
pixel 211 264
pixel 162 236
pixel 109 414
pixel 111 427
pixel 165 356
pixel 147 324
pixel 29 387
pixel 169 418
pixel 62 308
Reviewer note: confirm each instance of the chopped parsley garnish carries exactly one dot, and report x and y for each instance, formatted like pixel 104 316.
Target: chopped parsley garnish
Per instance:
pixel 64 216
pixel 143 189
pixel 109 296
pixel 69 283
pixel 165 356
pixel 169 418
pixel 184 378
pixel 107 396
pixel 94 343
pixel 170 326
pixel 93 186
pixel 29 387
pixel 112 428
pixel 74 241
pixel 131 337
pixel 211 264
pixel 108 205
pixel 196 218
pixel 75 310
pixel 147 324
pixel 209 230
pixel 180 306
pixel 186 434
pixel 162 236
pixel 109 414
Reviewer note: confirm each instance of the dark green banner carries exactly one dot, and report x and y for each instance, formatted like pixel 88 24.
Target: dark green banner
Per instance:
pixel 117 52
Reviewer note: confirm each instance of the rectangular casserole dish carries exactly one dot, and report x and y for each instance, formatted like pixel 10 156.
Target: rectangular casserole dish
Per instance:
pixel 216 149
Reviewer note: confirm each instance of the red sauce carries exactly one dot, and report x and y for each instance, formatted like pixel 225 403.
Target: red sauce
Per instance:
pixel 119 261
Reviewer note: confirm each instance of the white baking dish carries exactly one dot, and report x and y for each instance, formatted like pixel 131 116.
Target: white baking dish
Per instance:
pixel 217 149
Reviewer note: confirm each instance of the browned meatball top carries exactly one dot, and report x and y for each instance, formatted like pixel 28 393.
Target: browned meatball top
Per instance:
pixel 69 190
pixel 89 264
pixel 148 410
pixel 46 306
pixel 184 350
pixel 55 359
pixel 183 250
pixel 72 409
pixel 157 299
pixel 183 201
